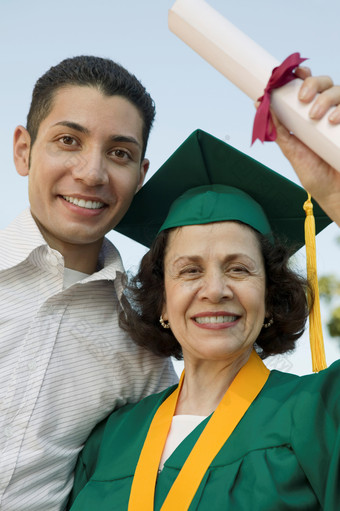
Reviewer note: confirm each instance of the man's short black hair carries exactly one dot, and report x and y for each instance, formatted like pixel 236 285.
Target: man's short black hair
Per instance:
pixel 110 78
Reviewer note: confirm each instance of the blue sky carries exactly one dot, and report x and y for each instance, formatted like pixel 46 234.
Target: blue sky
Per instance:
pixel 188 92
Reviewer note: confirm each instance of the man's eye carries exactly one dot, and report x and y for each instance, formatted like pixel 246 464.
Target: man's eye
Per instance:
pixel 120 153
pixel 66 140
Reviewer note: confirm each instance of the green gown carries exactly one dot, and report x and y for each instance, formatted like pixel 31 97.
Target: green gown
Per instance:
pixel 283 455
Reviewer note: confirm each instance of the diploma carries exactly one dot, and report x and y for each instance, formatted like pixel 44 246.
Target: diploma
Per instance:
pixel 249 67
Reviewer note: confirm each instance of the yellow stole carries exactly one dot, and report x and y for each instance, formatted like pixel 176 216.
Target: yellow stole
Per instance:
pixel 241 393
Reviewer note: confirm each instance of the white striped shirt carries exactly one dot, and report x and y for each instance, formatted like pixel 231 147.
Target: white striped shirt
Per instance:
pixel 64 365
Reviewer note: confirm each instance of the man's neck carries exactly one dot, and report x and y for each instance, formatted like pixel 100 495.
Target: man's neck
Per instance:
pixel 83 259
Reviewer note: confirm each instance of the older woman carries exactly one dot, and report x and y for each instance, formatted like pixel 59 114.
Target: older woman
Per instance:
pixel 217 289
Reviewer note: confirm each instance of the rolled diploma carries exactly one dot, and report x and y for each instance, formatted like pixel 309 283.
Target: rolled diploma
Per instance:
pixel 249 67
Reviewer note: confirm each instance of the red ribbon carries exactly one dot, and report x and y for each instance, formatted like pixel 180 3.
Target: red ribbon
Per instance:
pixel 264 128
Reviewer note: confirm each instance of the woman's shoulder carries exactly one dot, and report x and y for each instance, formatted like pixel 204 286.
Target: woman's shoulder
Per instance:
pixel 321 387
pixel 312 380
pixel 121 423
pixel 132 410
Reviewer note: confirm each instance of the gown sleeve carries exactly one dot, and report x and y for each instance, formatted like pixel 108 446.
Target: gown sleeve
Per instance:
pixel 316 435
pixel 87 461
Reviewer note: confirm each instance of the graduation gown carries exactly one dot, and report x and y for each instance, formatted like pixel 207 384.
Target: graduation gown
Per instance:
pixel 283 455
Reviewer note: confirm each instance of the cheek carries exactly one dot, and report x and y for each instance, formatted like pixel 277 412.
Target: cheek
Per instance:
pixel 41 182
pixel 48 169
pixel 35 184
pixel 179 297
pixel 256 301
pixel 124 187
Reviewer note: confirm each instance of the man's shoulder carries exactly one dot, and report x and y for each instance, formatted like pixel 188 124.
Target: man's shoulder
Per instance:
pixel 22 227
pixel 19 239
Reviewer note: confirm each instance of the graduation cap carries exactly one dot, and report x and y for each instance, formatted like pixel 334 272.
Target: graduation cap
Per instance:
pixel 201 161
pixel 206 180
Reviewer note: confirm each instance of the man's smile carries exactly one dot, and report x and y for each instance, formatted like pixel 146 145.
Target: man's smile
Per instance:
pixel 82 203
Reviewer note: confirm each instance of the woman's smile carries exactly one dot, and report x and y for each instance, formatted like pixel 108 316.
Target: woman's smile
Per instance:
pixel 215 320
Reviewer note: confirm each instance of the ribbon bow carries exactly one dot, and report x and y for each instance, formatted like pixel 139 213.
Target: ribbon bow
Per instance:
pixel 281 75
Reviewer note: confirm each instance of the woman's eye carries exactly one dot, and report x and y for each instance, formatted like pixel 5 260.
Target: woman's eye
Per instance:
pixel 239 270
pixel 192 270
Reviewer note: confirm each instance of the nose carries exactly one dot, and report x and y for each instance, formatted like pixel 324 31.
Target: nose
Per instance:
pixel 216 287
pixel 90 168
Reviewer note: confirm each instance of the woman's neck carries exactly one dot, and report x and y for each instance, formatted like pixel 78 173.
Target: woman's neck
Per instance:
pixel 205 384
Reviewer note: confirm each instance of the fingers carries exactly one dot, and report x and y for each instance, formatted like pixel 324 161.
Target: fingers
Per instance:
pixel 329 95
pixel 303 72
pixel 312 85
pixel 284 137
pixel 334 116
pixel 327 99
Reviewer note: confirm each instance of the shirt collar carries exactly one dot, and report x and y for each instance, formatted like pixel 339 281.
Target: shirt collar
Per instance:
pixel 110 267
pixel 23 236
pixel 19 239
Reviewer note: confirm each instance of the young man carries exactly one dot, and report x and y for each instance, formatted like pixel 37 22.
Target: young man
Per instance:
pixel 65 363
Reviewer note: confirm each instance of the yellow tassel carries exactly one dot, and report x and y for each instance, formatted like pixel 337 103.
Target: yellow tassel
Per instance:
pixel 315 328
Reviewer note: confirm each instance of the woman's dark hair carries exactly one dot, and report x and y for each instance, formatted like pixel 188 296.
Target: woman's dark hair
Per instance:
pixel 286 301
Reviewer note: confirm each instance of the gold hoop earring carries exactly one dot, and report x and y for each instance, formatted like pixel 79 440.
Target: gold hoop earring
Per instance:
pixel 267 325
pixel 165 324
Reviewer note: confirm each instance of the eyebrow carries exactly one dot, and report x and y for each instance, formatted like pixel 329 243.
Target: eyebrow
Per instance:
pixel 124 138
pixel 185 258
pixel 73 126
pixel 198 258
pixel 115 138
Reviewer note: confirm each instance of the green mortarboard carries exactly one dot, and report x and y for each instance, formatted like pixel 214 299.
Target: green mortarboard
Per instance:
pixel 206 180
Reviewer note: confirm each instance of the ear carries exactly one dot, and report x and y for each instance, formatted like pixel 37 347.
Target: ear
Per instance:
pixel 268 313
pixel 164 312
pixel 21 150
pixel 143 170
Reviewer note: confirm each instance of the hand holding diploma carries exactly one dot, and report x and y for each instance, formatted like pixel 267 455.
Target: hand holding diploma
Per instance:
pixel 317 176
pixel 250 68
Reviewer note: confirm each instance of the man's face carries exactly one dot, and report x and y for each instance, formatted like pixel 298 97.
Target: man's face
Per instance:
pixel 85 166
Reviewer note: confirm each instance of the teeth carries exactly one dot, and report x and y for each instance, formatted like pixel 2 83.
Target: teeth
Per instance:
pixel 88 204
pixel 216 319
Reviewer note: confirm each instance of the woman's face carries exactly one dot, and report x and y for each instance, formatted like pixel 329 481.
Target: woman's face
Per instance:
pixel 214 289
